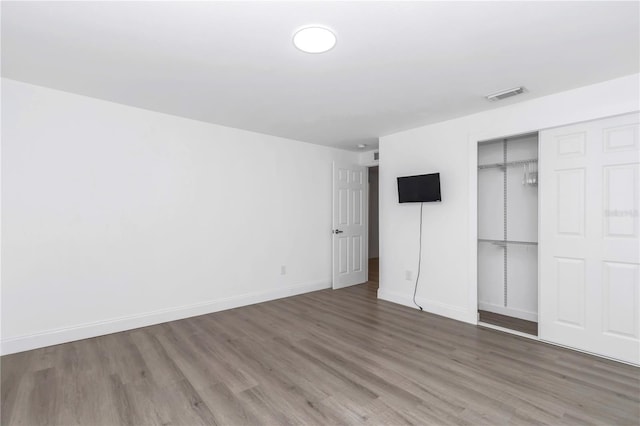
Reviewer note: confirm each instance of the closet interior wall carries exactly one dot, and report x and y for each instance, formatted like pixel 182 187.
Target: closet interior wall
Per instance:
pixel 508 227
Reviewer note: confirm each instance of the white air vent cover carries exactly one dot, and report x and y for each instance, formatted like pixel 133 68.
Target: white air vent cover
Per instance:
pixel 505 94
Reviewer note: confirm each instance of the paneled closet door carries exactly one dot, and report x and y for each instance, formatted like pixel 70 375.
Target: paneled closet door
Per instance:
pixel 589 244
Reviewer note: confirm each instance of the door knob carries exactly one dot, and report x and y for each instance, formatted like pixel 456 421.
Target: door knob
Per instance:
pixel 337 231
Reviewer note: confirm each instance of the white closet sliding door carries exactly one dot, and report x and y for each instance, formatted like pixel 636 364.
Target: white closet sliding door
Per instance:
pixel 589 245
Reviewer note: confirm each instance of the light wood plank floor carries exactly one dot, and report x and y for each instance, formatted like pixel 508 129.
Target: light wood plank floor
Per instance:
pixel 511 323
pixel 328 357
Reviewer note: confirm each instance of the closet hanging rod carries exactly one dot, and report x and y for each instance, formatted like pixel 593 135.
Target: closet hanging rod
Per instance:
pixel 504 242
pixel 508 164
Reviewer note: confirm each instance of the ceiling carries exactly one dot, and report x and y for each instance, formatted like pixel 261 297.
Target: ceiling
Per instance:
pixel 396 65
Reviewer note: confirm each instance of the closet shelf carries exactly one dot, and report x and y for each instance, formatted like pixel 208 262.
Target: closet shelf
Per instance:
pixel 507 164
pixel 505 242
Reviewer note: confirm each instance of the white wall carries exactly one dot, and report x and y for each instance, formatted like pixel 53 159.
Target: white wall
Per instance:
pixel 367 158
pixel 116 217
pixel 448 277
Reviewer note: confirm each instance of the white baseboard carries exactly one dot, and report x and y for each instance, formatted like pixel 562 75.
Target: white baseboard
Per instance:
pixel 115 325
pixel 442 309
pixel 516 313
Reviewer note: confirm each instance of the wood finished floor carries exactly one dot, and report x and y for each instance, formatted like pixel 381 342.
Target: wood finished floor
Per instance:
pixel 328 357
pixel 511 323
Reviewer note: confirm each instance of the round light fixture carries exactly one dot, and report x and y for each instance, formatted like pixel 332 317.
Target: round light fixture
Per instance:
pixel 314 39
pixel 362 145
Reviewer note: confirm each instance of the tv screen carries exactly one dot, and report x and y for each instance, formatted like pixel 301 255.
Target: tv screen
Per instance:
pixel 418 189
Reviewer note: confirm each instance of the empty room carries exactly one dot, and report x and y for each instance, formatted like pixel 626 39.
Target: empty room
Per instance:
pixel 320 213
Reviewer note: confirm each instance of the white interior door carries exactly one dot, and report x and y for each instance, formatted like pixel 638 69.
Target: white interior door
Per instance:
pixel 589 245
pixel 349 225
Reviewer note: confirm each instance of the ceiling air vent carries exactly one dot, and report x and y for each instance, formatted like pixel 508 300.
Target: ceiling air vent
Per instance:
pixel 505 94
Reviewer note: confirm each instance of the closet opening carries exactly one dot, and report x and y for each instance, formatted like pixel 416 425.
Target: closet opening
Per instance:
pixel 508 233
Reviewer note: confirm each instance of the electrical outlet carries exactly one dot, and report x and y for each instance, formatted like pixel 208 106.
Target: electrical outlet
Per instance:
pixel 408 275
pixel 283 270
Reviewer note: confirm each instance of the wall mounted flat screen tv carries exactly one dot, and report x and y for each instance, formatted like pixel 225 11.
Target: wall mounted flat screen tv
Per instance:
pixel 420 188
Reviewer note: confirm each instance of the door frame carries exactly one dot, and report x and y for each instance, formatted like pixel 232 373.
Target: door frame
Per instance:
pixel 369 164
pixel 369 167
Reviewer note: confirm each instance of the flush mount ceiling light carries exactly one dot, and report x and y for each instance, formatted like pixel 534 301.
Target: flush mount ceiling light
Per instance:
pixel 362 145
pixel 314 39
